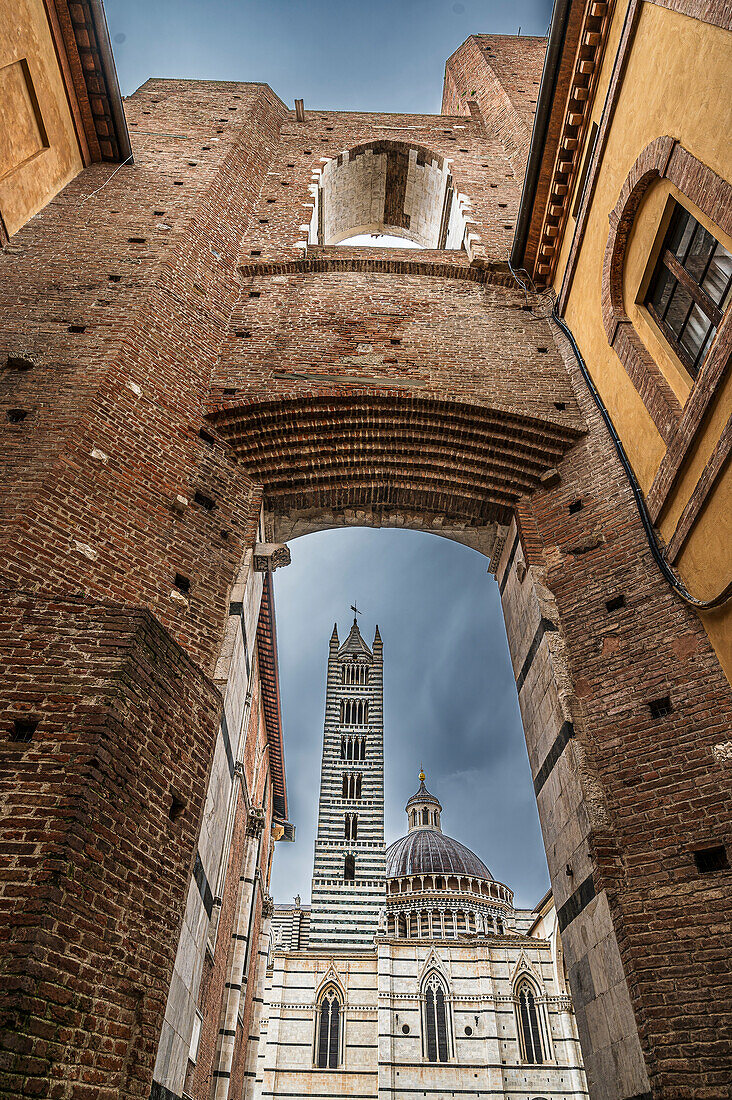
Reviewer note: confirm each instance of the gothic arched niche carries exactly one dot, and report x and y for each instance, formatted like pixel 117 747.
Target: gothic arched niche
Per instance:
pixel 390 187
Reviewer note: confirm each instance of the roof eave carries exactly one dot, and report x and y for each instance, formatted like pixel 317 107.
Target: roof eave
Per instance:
pixel 544 108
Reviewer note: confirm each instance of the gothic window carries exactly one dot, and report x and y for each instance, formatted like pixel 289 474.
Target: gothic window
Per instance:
pixel 329 1029
pixel 425 817
pixel 351 826
pixel 436 1031
pixel 344 792
pixel 343 748
pixel 349 868
pixel 690 288
pixel 528 1014
pixel 350 748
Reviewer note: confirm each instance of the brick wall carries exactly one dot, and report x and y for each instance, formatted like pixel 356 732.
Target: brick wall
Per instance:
pixel 99 504
pixel 95 872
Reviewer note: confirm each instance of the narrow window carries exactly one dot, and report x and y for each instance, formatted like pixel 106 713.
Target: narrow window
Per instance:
pixel 345 785
pixel 343 748
pixel 435 1012
pixel 349 869
pixel 358 786
pixel 690 288
pixel 329 1019
pixel 425 817
pixel 354 826
pixel 528 1018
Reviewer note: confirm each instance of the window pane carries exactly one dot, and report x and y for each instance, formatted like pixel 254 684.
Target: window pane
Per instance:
pixel 696 334
pixel 333 1046
pixel 719 275
pixel 323 1037
pixel 535 1038
pixel 441 1027
pixel 699 253
pixel 678 308
pixel 526 1028
pixel 680 233
pixel 431 1027
pixel 661 289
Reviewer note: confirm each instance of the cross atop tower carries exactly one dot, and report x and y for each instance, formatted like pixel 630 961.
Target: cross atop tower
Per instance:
pixel 355 611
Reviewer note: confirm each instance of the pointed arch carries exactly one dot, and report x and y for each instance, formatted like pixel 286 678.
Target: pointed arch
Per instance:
pixel 436 1018
pixel 329 1027
pixel 531 1022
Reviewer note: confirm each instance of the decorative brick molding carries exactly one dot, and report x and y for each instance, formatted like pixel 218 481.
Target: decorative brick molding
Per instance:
pixel 665 158
pixel 497 275
pixel 716 12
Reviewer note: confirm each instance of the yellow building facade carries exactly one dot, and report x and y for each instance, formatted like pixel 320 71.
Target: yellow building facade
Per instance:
pixel 60 105
pixel 631 132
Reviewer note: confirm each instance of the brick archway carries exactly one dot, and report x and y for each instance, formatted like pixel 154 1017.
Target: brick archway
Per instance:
pixel 315 374
pixel 606 662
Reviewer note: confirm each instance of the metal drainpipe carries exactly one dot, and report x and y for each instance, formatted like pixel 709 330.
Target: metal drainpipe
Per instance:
pixel 240 934
pixel 250 1069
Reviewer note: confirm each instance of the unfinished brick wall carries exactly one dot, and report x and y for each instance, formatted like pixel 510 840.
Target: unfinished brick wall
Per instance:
pixel 422 390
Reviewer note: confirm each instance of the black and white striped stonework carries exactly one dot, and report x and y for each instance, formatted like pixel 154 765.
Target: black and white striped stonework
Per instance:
pixel 348 871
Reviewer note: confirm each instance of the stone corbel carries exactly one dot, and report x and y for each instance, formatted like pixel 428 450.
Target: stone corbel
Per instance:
pixel 269 556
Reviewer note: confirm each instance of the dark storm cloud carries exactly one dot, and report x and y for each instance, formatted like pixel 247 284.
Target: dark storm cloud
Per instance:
pixel 340 55
pixel 449 698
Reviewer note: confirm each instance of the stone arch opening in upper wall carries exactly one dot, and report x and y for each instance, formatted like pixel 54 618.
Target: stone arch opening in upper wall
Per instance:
pixel 389 187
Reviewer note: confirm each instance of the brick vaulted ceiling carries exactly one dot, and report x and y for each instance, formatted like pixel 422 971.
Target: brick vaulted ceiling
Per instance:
pixel 389 390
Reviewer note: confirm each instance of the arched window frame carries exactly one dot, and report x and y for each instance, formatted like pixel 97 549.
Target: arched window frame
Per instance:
pixel 437 1029
pixel 328 1043
pixel 349 867
pixel 532 1025
pixel 695 183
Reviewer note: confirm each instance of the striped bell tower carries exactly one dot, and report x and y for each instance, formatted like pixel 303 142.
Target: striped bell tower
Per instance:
pixel 349 870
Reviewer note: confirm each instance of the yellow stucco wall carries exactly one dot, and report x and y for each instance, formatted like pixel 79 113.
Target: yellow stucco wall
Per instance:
pixel 676 83
pixel 39 150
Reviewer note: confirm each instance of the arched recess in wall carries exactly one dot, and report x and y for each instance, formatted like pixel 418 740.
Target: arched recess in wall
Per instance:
pixel 391 187
pixel 452 467
pixel 666 159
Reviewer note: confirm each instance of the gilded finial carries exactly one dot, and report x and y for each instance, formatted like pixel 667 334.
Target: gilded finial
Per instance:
pixel 422 776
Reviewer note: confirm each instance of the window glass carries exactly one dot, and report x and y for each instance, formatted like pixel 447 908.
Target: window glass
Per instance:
pixel 690 288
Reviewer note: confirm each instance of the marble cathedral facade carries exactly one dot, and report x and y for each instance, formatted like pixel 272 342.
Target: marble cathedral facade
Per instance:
pixel 412 973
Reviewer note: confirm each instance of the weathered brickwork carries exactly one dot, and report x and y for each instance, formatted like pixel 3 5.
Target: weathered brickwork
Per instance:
pixel 100 815
pixel 179 297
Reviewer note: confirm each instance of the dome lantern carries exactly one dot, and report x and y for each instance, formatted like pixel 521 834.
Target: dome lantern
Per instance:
pixel 423 809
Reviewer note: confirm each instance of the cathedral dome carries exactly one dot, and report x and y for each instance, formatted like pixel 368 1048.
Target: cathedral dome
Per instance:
pixel 429 851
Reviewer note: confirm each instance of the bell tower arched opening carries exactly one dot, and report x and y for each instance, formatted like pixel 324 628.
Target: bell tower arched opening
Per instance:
pixel 389 187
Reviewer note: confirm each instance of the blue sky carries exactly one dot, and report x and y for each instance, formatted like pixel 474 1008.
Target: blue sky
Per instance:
pixel 450 698
pixel 340 55
pixel 449 695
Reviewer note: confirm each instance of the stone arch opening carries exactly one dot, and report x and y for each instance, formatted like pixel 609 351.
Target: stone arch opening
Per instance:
pixel 395 188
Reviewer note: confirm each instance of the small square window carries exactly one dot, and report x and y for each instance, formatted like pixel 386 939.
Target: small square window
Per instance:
pixel 690 288
pixel 23 730
pixel 711 859
pixel 659 708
